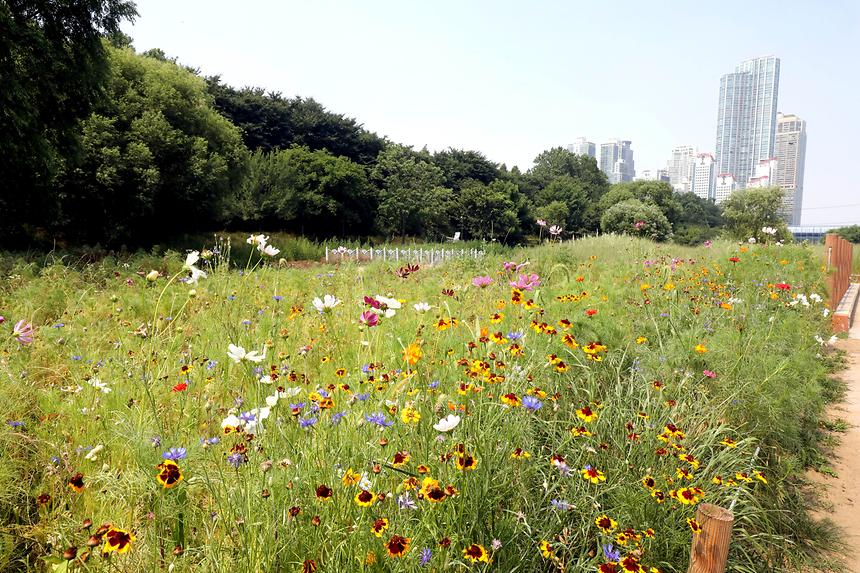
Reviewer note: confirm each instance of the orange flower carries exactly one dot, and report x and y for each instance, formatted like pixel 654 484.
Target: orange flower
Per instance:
pixel 412 354
pixel 397 546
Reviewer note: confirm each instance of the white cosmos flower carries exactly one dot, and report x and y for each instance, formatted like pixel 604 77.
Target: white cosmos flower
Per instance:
pixel 232 421
pixel 272 400
pixel 257 240
pixel 190 260
pixel 328 302
pixel 421 307
pixel 269 250
pixel 447 423
pixel 99 385
pixel 237 354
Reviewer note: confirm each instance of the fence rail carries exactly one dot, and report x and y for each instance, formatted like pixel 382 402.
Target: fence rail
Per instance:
pixel 421 255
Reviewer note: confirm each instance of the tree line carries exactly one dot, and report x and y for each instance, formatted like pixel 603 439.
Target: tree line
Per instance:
pixel 106 145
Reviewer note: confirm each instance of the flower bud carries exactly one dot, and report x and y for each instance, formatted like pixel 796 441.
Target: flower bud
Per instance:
pixel 152 276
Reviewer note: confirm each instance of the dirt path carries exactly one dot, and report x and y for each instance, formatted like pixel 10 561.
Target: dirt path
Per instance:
pixel 844 490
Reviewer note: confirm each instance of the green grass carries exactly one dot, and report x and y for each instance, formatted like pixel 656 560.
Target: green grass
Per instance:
pixel 654 305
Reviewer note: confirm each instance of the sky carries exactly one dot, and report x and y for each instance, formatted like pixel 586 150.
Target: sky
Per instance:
pixel 511 79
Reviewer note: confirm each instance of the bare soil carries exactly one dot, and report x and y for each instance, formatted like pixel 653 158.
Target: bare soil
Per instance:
pixel 843 491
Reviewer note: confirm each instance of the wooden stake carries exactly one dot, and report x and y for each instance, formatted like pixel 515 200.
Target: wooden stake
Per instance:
pixel 710 548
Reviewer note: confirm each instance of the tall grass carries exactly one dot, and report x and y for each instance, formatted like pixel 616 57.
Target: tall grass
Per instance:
pixel 693 341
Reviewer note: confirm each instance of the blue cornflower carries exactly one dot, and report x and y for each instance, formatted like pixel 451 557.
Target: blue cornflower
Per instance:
pixel 246 322
pixel 15 423
pixel 611 553
pixel 58 325
pixel 247 417
pixel 561 504
pixel 515 335
pixel 174 454
pixel 76 357
pixel 211 364
pixel 433 385
pixel 362 397
pixel 379 419
pixel 235 460
pixel 277 298
pixel 426 555
pixel 298 406
pixel 205 442
pixel 365 368
pixel 532 403
pixel 335 418
pixel 405 501
pixel 231 297
pixel 307 422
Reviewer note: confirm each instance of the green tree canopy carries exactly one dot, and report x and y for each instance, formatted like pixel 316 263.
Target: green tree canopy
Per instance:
pixel 657 193
pixel 308 192
pixel 633 217
pixel 850 233
pixel 748 211
pixel 459 167
pixel 269 121
pixel 52 70
pixel 156 156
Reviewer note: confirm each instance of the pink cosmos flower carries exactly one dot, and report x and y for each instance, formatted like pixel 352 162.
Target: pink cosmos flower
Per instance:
pixel 23 332
pixel 482 282
pixel 541 222
pixel 709 374
pixel 513 267
pixel 526 282
pixel 369 318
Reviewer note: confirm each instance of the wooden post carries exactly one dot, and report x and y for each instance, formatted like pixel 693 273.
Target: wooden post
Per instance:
pixel 710 549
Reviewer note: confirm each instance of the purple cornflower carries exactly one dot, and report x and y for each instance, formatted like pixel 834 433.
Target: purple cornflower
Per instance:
pixel 532 403
pixel 206 442
pixel 561 504
pixel 610 553
pixel 515 335
pixel 379 419
pixel 247 417
pixel 426 555
pixel 277 298
pixel 174 454
pixel 404 501
pixel 433 385
pixel 307 422
pixel 235 460
pixel 211 364
pixel 362 397
pixel 336 417
pixel 15 423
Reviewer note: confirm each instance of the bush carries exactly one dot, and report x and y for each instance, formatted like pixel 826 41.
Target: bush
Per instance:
pixel 632 217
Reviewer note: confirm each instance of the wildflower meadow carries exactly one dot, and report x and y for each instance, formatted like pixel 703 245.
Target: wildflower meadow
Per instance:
pixel 559 408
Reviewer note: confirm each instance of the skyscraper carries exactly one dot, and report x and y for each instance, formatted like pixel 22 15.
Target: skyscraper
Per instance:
pixel 724 185
pixel 704 171
pixel 616 161
pixel 746 118
pixel 791 155
pixel 680 168
pixel 581 146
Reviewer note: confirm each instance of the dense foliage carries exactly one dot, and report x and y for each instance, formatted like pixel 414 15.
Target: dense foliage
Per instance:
pixel 106 146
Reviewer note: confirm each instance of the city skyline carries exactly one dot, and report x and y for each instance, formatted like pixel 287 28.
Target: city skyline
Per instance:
pixel 499 79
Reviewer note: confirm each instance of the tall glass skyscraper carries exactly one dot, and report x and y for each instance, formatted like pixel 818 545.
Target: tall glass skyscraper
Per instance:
pixel 746 119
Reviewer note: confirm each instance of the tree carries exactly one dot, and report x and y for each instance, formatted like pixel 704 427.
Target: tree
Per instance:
pixel 699 221
pixel 657 193
pixel 850 233
pixel 489 211
pixel 412 200
pixel 590 185
pixel 156 157
pixel 633 217
pixel 269 121
pixel 52 70
pixel 747 211
pixel 311 192
pixel 459 167
pixel 569 191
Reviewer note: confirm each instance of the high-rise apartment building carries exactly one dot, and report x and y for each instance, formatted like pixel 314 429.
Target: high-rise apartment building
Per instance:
pixel 616 161
pixel 791 155
pixel 746 118
pixel 581 146
pixel 765 173
pixel 680 168
pixel 653 175
pixel 724 185
pixel 704 170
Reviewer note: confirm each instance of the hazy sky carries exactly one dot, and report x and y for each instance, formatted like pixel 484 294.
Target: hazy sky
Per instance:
pixel 511 79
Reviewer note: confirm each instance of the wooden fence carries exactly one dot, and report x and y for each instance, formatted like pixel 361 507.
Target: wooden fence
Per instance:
pixel 838 254
pixel 420 255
